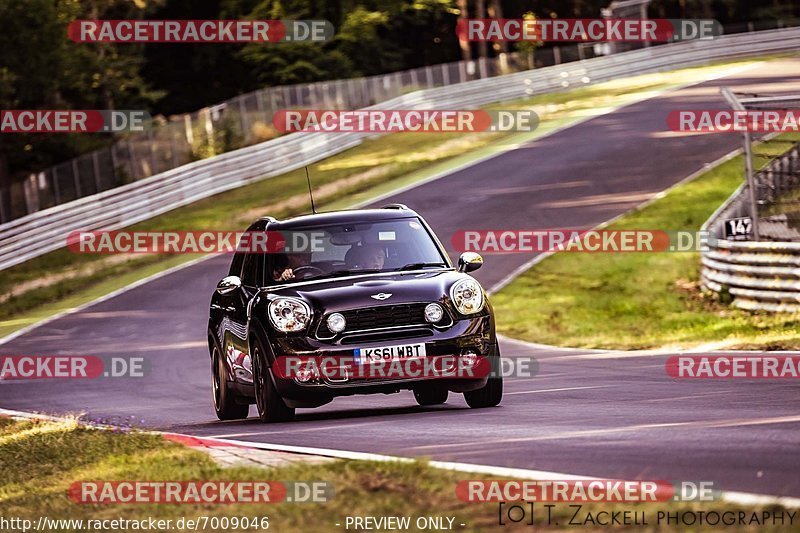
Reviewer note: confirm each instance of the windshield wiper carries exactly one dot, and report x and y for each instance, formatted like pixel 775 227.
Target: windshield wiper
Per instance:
pixel 415 266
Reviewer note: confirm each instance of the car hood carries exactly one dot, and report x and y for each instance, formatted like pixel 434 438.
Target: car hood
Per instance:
pixel 359 291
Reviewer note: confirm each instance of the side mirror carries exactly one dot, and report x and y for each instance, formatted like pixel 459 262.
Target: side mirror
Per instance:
pixel 469 261
pixel 228 284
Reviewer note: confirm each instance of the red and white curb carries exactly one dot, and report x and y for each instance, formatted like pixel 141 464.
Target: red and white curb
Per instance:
pixel 235 454
pixel 239 447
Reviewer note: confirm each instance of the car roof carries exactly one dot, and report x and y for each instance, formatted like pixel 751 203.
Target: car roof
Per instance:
pixel 349 216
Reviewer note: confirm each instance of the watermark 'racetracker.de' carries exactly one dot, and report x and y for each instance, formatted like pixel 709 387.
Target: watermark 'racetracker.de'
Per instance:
pixel 199 31
pixel 586 30
pixel 16 367
pixel 404 120
pixel 734 366
pixel 505 241
pixel 72 121
pixel 734 121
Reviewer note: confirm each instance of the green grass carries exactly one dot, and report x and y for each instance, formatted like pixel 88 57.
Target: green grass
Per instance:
pixel 61 279
pixel 42 459
pixel 642 300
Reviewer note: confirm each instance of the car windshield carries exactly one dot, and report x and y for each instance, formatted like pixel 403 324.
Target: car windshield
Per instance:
pixel 336 250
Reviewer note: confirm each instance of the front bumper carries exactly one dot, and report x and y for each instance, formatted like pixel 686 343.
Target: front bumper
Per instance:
pixel 474 335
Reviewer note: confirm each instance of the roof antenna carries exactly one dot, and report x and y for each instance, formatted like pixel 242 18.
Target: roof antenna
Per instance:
pixel 313 209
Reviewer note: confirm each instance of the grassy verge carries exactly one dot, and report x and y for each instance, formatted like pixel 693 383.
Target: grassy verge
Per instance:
pixel 42 459
pixel 60 280
pixel 643 300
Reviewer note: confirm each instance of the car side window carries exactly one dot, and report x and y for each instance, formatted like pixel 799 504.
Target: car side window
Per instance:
pixel 253 270
pixel 236 264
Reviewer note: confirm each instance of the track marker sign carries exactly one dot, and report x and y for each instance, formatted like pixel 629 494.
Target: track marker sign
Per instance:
pixel 738 228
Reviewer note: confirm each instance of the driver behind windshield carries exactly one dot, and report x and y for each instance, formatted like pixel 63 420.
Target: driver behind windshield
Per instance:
pixel 284 265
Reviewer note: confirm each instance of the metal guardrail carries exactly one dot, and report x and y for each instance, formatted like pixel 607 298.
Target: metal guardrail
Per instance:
pixel 756 275
pixel 241 121
pixel 47 230
pixel 244 120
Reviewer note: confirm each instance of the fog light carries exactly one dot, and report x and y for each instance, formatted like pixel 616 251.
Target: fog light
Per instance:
pixel 336 322
pixel 304 375
pixel 469 358
pixel 433 313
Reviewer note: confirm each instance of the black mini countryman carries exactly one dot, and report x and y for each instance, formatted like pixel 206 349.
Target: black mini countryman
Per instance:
pixel 348 291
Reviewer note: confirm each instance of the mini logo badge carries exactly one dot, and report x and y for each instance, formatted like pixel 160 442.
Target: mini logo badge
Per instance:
pixel 381 295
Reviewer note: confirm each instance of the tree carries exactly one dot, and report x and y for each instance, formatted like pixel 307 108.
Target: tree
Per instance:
pixel 480 13
pixel 496 12
pixel 40 68
pixel 463 14
pixel 529 47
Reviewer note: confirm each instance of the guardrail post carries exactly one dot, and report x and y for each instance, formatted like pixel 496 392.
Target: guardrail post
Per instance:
pixel 151 143
pixel 187 125
pixel 748 163
pixel 76 177
pixel 31 194
pixel 96 171
pixel 346 93
pixel 287 96
pixel 482 71
pixel 751 184
pixel 260 102
pixel 114 164
pixel 3 217
pixel 132 161
pixel 243 122
pixel 273 102
pixel 210 132
pixel 56 190
pixel 173 148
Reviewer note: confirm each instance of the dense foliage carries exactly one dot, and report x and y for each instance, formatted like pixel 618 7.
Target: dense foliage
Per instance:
pixel 41 69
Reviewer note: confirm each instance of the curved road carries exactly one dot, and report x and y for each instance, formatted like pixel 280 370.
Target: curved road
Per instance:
pixel 605 415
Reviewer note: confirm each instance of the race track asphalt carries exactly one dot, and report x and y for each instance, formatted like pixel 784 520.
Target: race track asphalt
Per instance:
pixel 605 415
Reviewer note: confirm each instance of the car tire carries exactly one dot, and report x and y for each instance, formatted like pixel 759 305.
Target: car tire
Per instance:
pixel 490 394
pixel 434 395
pixel 226 405
pixel 270 405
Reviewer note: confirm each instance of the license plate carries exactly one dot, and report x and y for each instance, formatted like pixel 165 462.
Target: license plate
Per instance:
pixel 389 353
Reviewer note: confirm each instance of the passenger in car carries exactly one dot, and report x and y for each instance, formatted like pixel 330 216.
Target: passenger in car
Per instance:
pixel 369 257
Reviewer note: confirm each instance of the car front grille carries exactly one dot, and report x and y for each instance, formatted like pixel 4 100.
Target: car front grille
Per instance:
pixel 380 317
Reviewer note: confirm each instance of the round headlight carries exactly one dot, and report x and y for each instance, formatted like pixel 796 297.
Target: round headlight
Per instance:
pixel 289 314
pixel 467 296
pixel 336 322
pixel 433 313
